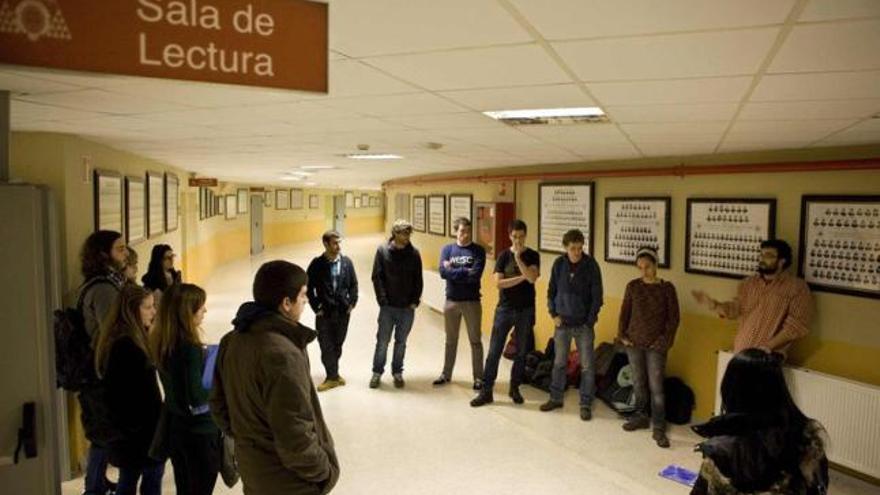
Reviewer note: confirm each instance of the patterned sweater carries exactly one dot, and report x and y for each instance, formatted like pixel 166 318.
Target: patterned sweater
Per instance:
pixel 649 316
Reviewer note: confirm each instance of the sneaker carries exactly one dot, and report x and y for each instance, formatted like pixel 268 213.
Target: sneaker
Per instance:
pixel 328 384
pixel 637 422
pixel 374 382
pixel 441 380
pixel 478 384
pixel 586 413
pixel 482 399
pixel 661 439
pixel 398 380
pixel 550 405
pixel 516 396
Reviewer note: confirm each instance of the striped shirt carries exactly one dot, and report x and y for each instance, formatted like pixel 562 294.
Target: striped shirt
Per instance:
pixel 765 309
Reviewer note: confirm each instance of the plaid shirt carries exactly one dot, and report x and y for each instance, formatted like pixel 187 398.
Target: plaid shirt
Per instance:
pixel 765 309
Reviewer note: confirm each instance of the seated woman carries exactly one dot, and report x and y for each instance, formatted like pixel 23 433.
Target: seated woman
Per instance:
pixel 761 443
pixel 132 390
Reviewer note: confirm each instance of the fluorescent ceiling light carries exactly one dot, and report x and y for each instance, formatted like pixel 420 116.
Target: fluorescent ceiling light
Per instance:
pixel 373 156
pixel 546 113
pixel 318 167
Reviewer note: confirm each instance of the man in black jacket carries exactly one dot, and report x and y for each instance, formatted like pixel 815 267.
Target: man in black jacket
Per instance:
pixel 333 293
pixel 397 280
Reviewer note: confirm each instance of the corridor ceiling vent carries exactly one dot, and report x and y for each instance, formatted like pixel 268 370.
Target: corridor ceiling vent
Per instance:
pixel 551 116
pixel 373 156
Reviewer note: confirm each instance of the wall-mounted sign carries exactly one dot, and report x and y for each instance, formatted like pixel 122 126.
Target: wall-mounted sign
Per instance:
pixel 460 205
pixel 202 182
pixel 420 209
pixel 562 207
pixel 270 43
pixel 437 214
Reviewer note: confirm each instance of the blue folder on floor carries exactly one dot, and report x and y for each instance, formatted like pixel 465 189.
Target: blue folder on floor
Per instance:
pixel 210 363
pixel 679 474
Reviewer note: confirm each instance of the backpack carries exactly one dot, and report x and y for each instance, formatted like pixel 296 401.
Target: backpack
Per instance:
pixel 74 356
pixel 679 400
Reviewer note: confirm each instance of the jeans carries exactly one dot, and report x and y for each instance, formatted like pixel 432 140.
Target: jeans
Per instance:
pixel 151 479
pixel 96 470
pixel 523 321
pixel 398 321
pixel 332 329
pixel 583 338
pixel 472 311
pixel 648 369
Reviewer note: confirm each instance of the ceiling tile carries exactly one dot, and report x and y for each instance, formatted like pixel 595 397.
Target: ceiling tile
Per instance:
pixel 680 132
pixel 354 78
pixel 395 105
pixel 672 113
pixel 827 10
pixel 570 19
pixel 102 101
pixel 446 121
pixel 810 110
pixel 658 57
pixel 867 132
pixel 703 90
pixel 16 82
pixel 405 26
pixel 200 94
pixel 831 86
pixel 24 111
pixel 677 149
pixel 564 135
pixel 521 65
pixel 784 130
pixel 825 47
pixel 522 97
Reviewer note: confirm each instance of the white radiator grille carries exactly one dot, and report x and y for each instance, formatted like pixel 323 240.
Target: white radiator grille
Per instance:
pixel 849 411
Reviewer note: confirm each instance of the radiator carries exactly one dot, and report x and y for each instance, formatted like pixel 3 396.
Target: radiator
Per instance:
pixel 849 411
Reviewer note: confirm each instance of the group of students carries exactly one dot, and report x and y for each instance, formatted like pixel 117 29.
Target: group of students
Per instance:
pixel 264 398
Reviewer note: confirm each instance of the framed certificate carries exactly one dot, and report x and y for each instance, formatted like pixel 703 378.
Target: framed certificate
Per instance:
pixel 349 199
pixel 282 199
pixel 296 199
pixel 840 244
pixel 314 201
pixel 243 200
pixel 172 199
pixel 724 236
pixel 460 205
pixel 562 207
pixel 231 205
pixel 108 200
pixel 135 210
pixel 420 213
pixel 437 214
pixel 155 204
pixel 633 223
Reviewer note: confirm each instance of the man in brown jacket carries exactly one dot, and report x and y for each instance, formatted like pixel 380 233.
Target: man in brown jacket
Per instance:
pixel 263 395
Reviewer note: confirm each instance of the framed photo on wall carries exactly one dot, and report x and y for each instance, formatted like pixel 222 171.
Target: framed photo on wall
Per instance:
pixel 840 244
pixel 631 223
pixel 202 203
pixel 231 207
pixel 437 214
pixel 562 207
pixel 349 199
pixel 314 201
pixel 296 199
pixel 282 199
pixel 267 198
pixel 172 202
pixel 221 202
pixel 460 205
pixel 135 210
pixel 243 200
pixel 724 235
pixel 365 200
pixel 108 200
pixel 419 214
pixel 155 204
pixel 357 202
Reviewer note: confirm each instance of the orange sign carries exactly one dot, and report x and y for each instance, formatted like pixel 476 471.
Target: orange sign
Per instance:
pixel 271 43
pixel 202 182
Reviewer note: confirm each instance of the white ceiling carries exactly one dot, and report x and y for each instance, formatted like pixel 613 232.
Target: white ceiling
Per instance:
pixel 677 78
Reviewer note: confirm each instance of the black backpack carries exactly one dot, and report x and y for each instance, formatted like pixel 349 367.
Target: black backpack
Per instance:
pixel 74 356
pixel 679 400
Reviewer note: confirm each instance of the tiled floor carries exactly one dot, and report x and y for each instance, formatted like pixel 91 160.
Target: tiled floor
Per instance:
pixel 422 440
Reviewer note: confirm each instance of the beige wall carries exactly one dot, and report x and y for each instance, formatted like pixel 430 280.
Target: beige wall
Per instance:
pixel 844 339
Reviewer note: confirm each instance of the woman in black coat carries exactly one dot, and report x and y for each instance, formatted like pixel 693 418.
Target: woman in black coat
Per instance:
pixel 132 391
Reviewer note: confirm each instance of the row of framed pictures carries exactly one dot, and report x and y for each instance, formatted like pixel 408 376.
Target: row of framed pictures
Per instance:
pixel 363 200
pixel 429 212
pixel 226 205
pixel 140 207
pixel 291 199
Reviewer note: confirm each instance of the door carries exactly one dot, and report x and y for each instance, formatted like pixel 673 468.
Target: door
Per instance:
pixel 339 214
pixel 256 224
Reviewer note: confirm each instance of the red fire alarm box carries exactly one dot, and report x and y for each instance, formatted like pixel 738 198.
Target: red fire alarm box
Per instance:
pixel 491 227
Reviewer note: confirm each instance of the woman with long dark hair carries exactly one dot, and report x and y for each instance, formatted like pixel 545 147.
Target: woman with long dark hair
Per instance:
pixel 762 442
pixel 122 361
pixel 177 349
pixel 160 272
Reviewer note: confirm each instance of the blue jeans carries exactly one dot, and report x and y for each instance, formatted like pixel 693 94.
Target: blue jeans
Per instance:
pixel 151 479
pixel 583 337
pixel 523 321
pixel 398 321
pixel 96 470
pixel 649 368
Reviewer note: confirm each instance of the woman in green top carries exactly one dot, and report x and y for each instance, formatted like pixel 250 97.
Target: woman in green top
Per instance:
pixel 194 440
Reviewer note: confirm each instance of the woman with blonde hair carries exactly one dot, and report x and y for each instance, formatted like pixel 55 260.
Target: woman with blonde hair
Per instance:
pixel 176 346
pixel 132 393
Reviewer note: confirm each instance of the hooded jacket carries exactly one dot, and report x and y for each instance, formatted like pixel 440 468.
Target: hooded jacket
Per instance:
pixel 397 276
pixel 264 398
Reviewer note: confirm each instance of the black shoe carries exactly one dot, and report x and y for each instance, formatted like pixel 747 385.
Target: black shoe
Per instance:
pixel 374 381
pixel 637 422
pixel 661 439
pixel 586 413
pixel 478 384
pixel 442 380
pixel 482 399
pixel 398 380
pixel 516 396
pixel 550 405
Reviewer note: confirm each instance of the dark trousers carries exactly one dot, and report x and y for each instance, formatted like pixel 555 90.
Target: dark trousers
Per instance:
pixel 96 470
pixel 332 329
pixel 150 476
pixel 523 322
pixel 195 458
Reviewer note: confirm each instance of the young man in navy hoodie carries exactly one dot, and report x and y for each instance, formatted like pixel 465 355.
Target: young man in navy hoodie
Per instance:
pixel 461 265
pixel 574 298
